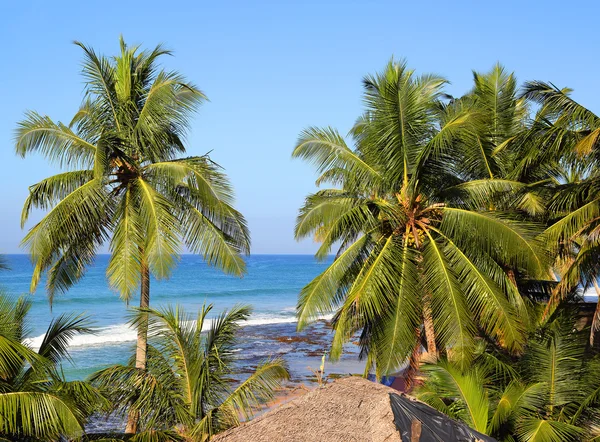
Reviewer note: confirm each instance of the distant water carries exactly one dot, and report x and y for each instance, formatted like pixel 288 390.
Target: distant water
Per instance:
pixel 271 287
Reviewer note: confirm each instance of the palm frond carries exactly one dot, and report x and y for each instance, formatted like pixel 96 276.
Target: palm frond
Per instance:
pixel 45 194
pixel 160 225
pixel 534 429
pixel 319 296
pixel 327 150
pixel 397 332
pixel 258 388
pixel 39 415
pixel 454 326
pixel 492 308
pixel 84 210
pixel 62 329
pixel 55 141
pixel 472 402
pixel 511 242
pixel 126 246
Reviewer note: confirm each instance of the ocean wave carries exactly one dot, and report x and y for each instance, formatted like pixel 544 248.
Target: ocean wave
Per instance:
pixel 590 295
pixel 122 333
pixel 113 334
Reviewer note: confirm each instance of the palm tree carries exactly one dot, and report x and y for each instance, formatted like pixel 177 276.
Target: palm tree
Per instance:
pixel 498 115
pixel 189 386
pixel 495 162
pixel 567 133
pixel 492 158
pixel 550 394
pixel 36 402
pixel 125 184
pixel 414 248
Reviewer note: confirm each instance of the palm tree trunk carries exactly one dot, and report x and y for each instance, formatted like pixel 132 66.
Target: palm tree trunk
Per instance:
pixel 142 334
pixel 142 341
pixel 596 318
pixel 428 325
pixel 413 363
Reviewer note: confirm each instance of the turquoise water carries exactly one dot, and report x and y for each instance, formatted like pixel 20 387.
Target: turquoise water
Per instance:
pixel 271 287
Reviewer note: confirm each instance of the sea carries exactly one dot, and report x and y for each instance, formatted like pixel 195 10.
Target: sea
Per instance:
pixel 271 286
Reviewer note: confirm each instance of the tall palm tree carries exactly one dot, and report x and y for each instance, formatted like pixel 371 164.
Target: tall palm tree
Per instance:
pixel 188 387
pixel 36 402
pixel 551 393
pixel 569 134
pixel 414 248
pixel 125 185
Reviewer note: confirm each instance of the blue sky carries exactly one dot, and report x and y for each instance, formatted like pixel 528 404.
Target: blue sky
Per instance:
pixel 271 69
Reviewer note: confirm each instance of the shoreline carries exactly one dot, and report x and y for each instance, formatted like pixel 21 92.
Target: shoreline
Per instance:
pixel 302 351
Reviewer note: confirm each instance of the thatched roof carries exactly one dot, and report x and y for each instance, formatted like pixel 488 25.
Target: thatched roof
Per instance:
pixel 351 409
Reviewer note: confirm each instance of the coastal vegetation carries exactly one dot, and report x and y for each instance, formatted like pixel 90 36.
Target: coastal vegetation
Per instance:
pixel 36 401
pixel 550 392
pixel 417 245
pixel 127 183
pixel 568 134
pixel 189 389
pixel 465 230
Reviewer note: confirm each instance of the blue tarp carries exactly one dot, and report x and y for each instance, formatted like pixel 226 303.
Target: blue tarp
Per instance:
pixel 385 380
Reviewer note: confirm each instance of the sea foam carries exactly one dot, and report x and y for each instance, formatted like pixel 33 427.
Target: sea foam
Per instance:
pixel 121 333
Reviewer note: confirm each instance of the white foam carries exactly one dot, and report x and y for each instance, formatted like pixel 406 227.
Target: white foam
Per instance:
pixel 590 295
pixel 121 333
pixel 266 320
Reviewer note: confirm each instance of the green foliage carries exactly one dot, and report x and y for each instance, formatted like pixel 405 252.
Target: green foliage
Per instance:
pixel 418 220
pixel 124 184
pixel 550 393
pixel 36 402
pixel 189 384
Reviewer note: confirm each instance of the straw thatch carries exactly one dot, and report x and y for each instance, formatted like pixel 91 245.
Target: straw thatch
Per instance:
pixel 351 409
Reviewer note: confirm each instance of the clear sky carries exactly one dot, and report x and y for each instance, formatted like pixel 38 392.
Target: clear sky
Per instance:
pixel 272 68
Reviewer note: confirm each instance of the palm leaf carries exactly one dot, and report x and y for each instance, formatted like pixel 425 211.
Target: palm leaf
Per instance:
pixel 513 243
pixel 327 149
pixel 38 415
pixel 454 326
pixel 55 141
pixel 473 403
pixel 396 339
pixel 534 429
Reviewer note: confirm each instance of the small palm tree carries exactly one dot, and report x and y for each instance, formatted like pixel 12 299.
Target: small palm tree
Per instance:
pixel 125 184
pixel 414 248
pixel 36 402
pixel 552 393
pixel 190 387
